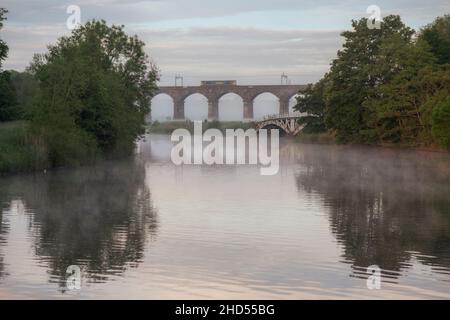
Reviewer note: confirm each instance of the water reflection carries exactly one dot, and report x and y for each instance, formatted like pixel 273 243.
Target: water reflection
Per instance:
pixel 2 240
pixel 386 207
pixel 226 232
pixel 99 218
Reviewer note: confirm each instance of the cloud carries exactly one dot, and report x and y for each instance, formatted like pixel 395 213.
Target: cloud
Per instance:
pixel 251 40
pixel 245 54
pixel 24 41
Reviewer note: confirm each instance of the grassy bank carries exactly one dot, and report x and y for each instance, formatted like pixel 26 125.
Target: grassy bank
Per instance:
pixel 18 151
pixel 170 126
pixel 316 138
pixel 328 138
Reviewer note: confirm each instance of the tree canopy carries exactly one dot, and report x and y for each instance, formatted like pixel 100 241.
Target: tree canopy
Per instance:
pixel 8 100
pixel 3 46
pixel 437 35
pixel 95 88
pixel 384 84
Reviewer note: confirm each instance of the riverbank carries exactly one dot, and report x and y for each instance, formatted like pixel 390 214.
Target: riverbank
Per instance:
pixel 327 138
pixel 169 126
pixel 18 153
pixel 315 138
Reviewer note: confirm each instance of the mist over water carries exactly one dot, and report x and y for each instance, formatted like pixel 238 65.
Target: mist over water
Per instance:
pixel 144 228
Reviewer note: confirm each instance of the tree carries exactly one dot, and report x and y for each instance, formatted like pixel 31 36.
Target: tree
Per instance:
pixel 8 101
pixel 26 88
pixel 355 73
pixel 395 107
pixel 312 102
pixel 437 35
pixel 401 108
pixel 441 122
pixel 385 85
pixel 3 46
pixel 95 88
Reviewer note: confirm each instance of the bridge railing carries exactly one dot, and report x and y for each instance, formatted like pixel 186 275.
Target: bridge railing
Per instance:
pixel 280 116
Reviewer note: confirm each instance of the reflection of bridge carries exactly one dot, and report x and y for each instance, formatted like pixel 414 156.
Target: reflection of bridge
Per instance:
pixel 214 92
pixel 286 122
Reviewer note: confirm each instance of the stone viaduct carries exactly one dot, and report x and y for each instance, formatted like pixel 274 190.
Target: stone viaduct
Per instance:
pixel 214 92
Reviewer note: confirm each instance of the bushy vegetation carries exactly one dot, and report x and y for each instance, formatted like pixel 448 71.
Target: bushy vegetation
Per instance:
pixel 386 86
pixel 95 88
pixel 441 122
pixel 8 100
pixel 87 97
pixel 18 150
pixel 26 87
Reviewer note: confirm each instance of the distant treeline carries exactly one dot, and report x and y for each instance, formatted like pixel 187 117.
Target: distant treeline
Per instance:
pixel 387 86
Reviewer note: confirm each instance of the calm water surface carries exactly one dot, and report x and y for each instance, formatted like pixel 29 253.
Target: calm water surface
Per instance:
pixel 143 228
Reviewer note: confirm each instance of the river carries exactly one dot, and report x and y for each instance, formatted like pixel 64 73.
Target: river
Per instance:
pixel 145 228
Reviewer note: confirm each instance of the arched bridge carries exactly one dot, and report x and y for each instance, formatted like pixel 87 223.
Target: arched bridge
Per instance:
pixel 214 92
pixel 286 122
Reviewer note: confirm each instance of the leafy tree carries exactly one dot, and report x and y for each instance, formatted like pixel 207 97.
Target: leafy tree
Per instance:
pixel 3 46
pixel 437 35
pixel 355 73
pixel 26 88
pixel 441 122
pixel 311 102
pixel 8 103
pixel 95 90
pixel 396 112
pixel 385 85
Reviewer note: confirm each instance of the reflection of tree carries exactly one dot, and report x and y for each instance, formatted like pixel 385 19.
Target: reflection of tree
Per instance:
pixel 2 239
pixel 383 204
pixel 96 217
pixel 4 204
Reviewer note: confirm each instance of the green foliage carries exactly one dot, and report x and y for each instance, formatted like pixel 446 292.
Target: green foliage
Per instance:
pixel 355 73
pixel 26 87
pixel 316 138
pixel 441 122
pixel 3 46
pixel 437 35
pixel 396 106
pixel 385 85
pixel 19 151
pixel 312 103
pixel 8 102
pixel 95 88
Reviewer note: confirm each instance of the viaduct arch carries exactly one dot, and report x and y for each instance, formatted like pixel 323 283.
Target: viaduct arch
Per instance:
pixel 214 92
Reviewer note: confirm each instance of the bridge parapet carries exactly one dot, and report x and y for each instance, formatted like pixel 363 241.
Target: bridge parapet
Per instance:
pixel 281 116
pixel 287 122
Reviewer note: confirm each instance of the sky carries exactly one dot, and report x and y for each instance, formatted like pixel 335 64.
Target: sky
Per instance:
pixel 251 41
